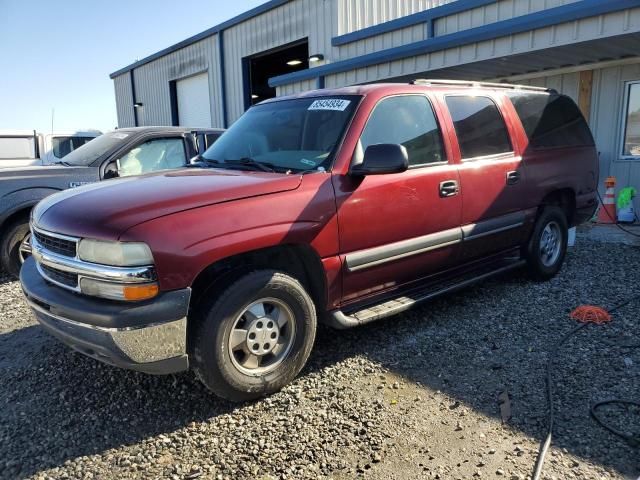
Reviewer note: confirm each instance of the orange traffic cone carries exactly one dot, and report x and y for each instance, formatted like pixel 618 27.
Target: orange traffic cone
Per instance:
pixel 607 212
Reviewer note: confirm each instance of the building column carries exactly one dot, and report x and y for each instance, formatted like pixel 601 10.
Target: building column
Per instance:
pixel 584 93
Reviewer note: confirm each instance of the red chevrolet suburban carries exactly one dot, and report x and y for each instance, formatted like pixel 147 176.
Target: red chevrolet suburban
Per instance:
pixel 343 206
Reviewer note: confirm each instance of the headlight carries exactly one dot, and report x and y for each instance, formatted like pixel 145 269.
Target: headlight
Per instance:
pixel 118 291
pixel 118 254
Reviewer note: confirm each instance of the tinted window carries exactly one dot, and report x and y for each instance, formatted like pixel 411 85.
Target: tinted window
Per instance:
pixel 551 120
pixel 63 146
pixel 407 121
pixel 153 155
pixel 631 145
pixel 479 125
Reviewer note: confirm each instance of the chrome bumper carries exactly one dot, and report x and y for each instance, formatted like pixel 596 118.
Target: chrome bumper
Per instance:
pixel 150 337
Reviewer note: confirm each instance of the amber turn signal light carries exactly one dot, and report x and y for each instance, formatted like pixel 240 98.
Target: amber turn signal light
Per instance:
pixel 140 292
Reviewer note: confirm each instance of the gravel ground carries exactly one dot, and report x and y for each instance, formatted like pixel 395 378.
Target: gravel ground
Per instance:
pixel 415 396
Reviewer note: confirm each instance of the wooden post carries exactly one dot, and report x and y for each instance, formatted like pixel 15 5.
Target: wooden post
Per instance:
pixel 584 94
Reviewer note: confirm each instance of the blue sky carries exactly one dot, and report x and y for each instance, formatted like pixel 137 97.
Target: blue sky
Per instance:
pixel 59 54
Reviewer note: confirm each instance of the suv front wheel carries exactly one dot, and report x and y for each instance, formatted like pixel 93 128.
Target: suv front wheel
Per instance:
pixel 548 245
pixel 255 337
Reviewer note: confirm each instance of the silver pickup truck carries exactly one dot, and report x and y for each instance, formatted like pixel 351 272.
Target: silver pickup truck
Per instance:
pixel 120 153
pixel 27 148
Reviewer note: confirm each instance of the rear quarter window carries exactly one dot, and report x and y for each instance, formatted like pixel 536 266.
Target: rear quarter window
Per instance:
pixel 551 120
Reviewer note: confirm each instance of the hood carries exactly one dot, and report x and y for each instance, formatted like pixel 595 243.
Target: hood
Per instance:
pixel 107 209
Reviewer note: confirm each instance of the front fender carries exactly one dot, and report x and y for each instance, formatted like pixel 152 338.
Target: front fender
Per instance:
pixel 185 243
pixel 22 200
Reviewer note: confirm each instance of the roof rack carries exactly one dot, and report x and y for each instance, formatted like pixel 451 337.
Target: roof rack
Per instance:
pixel 471 83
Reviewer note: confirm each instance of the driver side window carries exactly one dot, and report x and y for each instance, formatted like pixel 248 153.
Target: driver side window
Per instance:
pixel 153 155
pixel 409 121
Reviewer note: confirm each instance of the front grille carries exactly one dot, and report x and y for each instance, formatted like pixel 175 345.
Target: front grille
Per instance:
pixel 55 244
pixel 64 278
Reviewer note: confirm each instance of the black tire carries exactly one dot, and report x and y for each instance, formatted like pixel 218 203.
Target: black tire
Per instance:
pixel 10 242
pixel 540 265
pixel 211 356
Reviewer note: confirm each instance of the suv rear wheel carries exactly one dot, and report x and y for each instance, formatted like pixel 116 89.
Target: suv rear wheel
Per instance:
pixel 15 246
pixel 548 245
pixel 255 337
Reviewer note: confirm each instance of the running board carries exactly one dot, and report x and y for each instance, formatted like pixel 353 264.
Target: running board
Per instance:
pixel 338 319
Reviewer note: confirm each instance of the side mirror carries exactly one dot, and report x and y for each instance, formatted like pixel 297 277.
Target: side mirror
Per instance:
pixel 381 159
pixel 196 159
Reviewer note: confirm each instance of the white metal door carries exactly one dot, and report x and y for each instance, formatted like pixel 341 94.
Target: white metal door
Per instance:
pixel 194 107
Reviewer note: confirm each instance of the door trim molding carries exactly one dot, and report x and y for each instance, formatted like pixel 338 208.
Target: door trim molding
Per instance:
pixel 391 252
pixel 499 224
pixel 405 248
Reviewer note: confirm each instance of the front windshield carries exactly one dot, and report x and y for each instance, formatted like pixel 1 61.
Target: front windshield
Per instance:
pixel 87 153
pixel 297 135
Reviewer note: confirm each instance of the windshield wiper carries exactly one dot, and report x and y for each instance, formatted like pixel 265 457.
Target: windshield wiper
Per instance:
pixel 65 164
pixel 250 162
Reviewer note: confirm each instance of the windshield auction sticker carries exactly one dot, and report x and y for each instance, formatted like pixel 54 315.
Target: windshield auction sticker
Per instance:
pixel 330 104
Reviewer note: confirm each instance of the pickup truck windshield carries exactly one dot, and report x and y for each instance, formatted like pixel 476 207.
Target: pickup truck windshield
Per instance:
pixel 298 135
pixel 87 153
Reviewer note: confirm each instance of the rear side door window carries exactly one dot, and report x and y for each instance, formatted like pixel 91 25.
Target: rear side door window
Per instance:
pixel 479 126
pixel 153 155
pixel 63 146
pixel 409 121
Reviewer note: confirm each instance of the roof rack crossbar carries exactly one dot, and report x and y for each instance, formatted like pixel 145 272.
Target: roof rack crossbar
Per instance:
pixel 471 83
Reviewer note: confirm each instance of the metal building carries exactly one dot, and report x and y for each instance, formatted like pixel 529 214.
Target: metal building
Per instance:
pixel 588 49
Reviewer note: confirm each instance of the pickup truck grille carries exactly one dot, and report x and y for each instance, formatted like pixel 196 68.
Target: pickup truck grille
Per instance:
pixel 58 276
pixel 56 244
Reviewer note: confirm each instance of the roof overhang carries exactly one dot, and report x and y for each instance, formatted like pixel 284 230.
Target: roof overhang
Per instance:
pixel 524 23
pixel 600 53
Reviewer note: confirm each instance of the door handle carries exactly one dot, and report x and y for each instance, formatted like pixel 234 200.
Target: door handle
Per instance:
pixel 449 188
pixel 513 177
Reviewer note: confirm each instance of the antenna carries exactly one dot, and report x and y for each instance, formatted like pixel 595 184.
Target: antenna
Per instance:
pixel 53 111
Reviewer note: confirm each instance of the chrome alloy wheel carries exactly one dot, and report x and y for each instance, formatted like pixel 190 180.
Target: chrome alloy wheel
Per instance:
pixel 550 244
pixel 24 250
pixel 261 336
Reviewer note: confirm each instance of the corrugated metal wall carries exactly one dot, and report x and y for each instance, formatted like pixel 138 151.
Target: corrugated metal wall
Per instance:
pixel 494 12
pixel 607 114
pixel 296 20
pixel 567 83
pixel 297 87
pixel 563 34
pixel 124 100
pixel 152 82
pixel 358 14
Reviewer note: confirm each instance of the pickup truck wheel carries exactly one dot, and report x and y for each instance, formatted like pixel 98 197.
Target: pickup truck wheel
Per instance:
pixel 15 247
pixel 255 337
pixel 548 245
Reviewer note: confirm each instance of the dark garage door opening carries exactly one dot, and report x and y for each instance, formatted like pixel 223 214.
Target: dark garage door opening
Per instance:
pixel 259 68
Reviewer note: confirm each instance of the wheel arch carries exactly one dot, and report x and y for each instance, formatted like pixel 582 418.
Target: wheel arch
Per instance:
pixel 300 261
pixel 564 198
pixel 21 202
pixel 23 210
